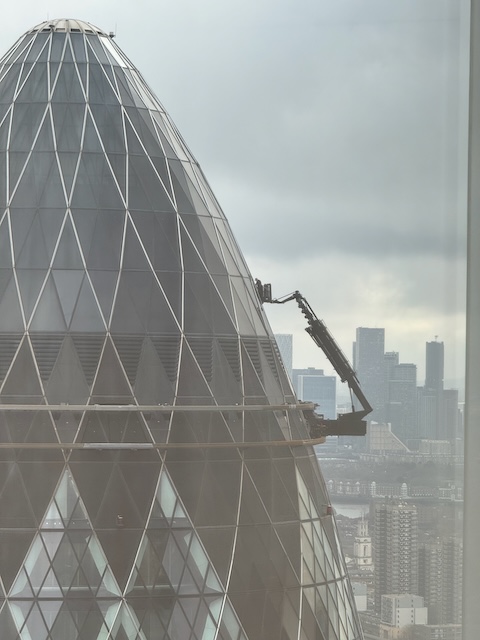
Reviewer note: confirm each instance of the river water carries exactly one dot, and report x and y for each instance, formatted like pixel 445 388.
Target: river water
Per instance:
pixel 351 510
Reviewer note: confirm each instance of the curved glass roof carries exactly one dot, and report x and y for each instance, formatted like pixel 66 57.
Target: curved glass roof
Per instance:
pixel 142 494
pixel 64 25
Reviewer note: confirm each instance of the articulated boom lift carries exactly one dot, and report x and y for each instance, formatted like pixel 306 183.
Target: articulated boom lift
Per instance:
pixel 347 424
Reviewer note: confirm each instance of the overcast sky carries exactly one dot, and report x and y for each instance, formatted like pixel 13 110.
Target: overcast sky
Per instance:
pixel 333 133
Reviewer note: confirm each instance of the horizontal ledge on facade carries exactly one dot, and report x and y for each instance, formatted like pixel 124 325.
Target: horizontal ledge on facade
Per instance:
pixel 159 408
pixel 164 446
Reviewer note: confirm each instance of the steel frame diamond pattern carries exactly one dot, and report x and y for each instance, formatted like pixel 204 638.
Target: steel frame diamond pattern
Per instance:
pixel 121 284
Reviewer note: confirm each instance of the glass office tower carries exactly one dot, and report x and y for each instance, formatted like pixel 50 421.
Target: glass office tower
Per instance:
pixel 153 480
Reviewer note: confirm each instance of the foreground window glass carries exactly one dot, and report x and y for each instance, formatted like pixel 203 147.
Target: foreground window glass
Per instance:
pixel 386 264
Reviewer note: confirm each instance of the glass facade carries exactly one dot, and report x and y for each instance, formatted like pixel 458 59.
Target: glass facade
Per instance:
pixel 153 480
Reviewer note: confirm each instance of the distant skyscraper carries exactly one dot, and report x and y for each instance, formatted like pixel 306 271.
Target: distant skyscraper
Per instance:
pixel 369 363
pixel 401 407
pixel 313 386
pixel 391 358
pixel 451 417
pixel 437 407
pixel 285 346
pixel 440 579
pixel 395 549
pixel 434 365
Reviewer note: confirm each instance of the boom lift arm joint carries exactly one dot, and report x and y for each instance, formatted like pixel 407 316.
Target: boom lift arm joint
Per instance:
pixel 346 424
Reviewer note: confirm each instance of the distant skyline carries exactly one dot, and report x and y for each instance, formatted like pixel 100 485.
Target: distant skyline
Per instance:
pixel 333 135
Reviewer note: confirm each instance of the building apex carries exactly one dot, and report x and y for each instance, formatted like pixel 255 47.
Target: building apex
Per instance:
pixel 67 25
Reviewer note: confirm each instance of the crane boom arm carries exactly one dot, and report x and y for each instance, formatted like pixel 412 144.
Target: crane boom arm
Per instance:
pixel 349 423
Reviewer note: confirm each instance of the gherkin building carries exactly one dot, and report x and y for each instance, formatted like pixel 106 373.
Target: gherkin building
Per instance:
pixel 156 480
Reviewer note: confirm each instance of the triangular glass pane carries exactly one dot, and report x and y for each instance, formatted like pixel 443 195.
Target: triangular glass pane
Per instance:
pixel 16 166
pixel 244 320
pixel 190 380
pixel 67 384
pixel 51 221
pixel 104 283
pixel 45 141
pixel 191 257
pixel 21 221
pixel 53 519
pixel 9 83
pixel 52 195
pixel 77 42
pixel 123 88
pixel 35 89
pixel 5 246
pixel 36 567
pixel 88 349
pixel 134 253
pixel 54 69
pixel 111 379
pixel 14 545
pixel 68 283
pixel 23 378
pixel 106 243
pixel 87 315
pixel 84 221
pixel 46 347
pixel 10 309
pixel 83 74
pixel 109 122
pixel 161 167
pixel 8 347
pixel 35 625
pixel 30 282
pixel 206 244
pixel 48 315
pixel 85 193
pixel 68 119
pixel 159 236
pixel 26 119
pixel 68 88
pixel 180 187
pixel 153 386
pixel 50 587
pixel 252 383
pixel 7 623
pixel 68 166
pixel 67 255
pixel 34 254
pixel 134 144
pixel 142 123
pixel 107 585
pixel 99 88
pixel 208 300
pixel 118 164
pixel 120 561
pixel 233 266
pixel 129 349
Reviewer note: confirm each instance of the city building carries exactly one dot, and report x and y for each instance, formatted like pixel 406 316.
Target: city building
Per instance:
pixel 434 365
pixel 312 385
pixel 437 632
pixel 401 408
pixel 395 549
pixel 362 547
pixel 440 579
pixel 369 363
pixel 129 331
pixel 438 416
pixel 360 592
pixel 403 610
pixel 285 346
